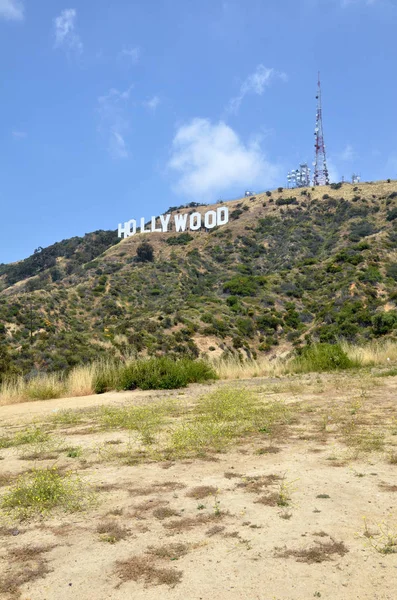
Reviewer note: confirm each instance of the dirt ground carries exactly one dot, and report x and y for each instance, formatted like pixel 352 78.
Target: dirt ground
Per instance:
pixel 305 510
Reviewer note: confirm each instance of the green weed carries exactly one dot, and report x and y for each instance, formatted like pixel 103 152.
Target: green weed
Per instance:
pixel 43 490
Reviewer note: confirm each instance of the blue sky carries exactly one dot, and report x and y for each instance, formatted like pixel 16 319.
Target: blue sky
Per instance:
pixel 118 109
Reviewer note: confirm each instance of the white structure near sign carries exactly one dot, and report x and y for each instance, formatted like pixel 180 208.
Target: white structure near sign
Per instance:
pixel 179 223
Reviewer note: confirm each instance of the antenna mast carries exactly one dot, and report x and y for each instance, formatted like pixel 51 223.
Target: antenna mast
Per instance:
pixel 321 175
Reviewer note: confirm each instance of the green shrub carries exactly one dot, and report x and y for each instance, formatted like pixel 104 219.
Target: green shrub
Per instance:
pixel 42 490
pixel 383 323
pixel 179 240
pixel 163 374
pixel 241 286
pixel 392 214
pixel 391 271
pixel 361 229
pixel 144 252
pixel 322 357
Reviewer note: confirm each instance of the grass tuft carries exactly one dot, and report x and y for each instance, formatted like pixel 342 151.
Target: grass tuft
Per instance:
pixel 43 490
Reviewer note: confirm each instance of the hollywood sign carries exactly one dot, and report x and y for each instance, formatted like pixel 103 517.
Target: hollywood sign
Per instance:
pixel 193 222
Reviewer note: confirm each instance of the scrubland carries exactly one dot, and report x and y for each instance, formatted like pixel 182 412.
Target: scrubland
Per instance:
pixel 278 484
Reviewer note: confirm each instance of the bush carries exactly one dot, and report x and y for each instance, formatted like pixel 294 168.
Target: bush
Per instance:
pixel 391 271
pixel 144 252
pixel 383 323
pixel 322 357
pixel 163 374
pixel 392 215
pixel 286 201
pixel 179 240
pixel 241 286
pixel 361 229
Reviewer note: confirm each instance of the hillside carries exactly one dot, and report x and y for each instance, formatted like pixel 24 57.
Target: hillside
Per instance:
pixel 291 265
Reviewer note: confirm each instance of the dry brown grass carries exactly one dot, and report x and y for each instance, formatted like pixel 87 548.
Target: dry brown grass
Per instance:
pixel 187 523
pixel 379 353
pixel 317 553
pixel 167 486
pixel 112 532
pixel 27 565
pixel 169 551
pixel 202 491
pixel 6 479
pixel 270 499
pixel 141 568
pixel 165 513
pixel 26 553
pixel 393 458
pixel 257 484
pixel 234 368
pixel 388 487
pixel 232 475
pixel 215 530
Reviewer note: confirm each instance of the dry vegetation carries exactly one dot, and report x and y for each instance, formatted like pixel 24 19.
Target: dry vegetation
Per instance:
pixel 223 490
pixel 107 375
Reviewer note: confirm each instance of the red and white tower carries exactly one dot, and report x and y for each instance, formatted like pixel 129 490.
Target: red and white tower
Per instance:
pixel 321 175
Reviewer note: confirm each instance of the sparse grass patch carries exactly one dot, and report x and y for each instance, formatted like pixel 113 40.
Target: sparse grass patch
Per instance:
pixel 393 458
pixel 169 551
pixel 146 420
pixel 67 417
pixel 317 553
pixel 365 441
pixel 203 491
pixel 164 512
pixel 141 568
pixel 43 490
pixel 166 486
pixel 28 566
pixel 384 540
pixel 112 532
pixel 223 416
pixel 6 479
pixel 187 523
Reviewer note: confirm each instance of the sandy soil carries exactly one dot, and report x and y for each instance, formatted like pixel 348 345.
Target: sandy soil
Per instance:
pixel 210 528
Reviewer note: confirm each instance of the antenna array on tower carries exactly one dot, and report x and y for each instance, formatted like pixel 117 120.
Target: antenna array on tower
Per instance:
pixel 321 175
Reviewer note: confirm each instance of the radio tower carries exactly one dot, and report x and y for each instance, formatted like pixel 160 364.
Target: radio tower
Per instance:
pixel 321 175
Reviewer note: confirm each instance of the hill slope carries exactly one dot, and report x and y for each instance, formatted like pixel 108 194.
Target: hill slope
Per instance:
pixel 290 265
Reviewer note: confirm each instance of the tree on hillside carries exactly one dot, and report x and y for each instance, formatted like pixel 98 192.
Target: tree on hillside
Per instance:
pixel 5 361
pixel 144 252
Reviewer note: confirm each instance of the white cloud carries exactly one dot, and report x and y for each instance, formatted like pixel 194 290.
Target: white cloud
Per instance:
pixel 117 145
pixel 152 103
pixel 65 34
pixel 11 10
pixel 19 135
pixel 348 153
pixel 114 122
pixel 132 54
pixel 255 83
pixel 211 158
